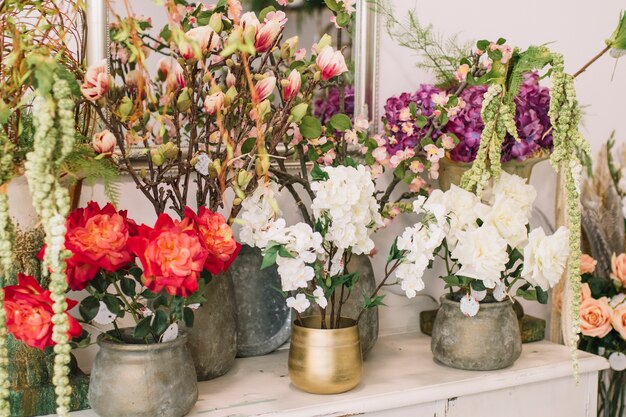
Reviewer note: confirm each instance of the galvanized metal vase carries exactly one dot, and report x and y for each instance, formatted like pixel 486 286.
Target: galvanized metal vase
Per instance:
pixel 325 361
pixel 490 340
pixel 213 338
pixel 139 380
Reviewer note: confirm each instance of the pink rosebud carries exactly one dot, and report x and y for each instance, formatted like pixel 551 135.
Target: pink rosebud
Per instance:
pixel 230 79
pixel 265 88
pixel 300 54
pixel 292 86
pixel 213 103
pixel 179 75
pixel 331 63
pixel 103 142
pixel 96 83
pixel 266 35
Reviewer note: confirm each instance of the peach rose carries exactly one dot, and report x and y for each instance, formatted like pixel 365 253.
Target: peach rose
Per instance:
pixel 618 268
pixel 585 292
pixel 96 83
pixel 618 319
pixel 587 264
pixel 595 317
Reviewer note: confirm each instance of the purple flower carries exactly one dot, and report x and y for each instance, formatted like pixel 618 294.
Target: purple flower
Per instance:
pixel 401 130
pixel 328 105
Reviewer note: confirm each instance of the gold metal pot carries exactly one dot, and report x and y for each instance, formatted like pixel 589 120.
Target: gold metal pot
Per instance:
pixel 450 172
pixel 325 361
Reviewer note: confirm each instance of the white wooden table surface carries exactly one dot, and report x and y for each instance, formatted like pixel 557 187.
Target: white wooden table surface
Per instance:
pixel 401 379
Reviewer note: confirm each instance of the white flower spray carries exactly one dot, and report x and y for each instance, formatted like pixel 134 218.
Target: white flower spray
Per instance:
pixel 53 141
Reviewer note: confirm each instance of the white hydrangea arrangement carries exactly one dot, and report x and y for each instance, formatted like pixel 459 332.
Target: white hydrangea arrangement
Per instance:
pixel 312 261
pixel 488 247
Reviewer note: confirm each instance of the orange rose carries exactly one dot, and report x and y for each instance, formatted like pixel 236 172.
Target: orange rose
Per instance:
pixel 29 313
pixel 618 319
pixel 216 237
pixel 587 264
pixel 595 317
pixel 172 258
pixel 585 291
pixel 618 268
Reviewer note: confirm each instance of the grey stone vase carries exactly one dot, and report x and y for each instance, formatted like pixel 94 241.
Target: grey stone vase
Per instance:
pixel 213 338
pixel 139 380
pixel 490 340
pixel 368 325
pixel 263 318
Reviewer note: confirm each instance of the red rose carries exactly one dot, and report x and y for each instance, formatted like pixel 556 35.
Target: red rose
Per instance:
pixel 172 258
pixel 29 313
pixel 216 237
pixel 97 238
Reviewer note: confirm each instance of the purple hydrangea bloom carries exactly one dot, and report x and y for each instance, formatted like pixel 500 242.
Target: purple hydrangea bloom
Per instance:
pixel 467 125
pixel 401 131
pixel 328 105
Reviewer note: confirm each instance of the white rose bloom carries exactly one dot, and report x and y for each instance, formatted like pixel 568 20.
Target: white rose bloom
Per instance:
pixel 294 274
pixel 506 216
pixel 515 189
pixel 319 297
pixel 464 209
pixel 545 257
pixel 482 254
pixel 436 205
pixel 300 303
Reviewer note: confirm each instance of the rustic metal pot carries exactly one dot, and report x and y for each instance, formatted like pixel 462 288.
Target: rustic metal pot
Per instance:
pixel 213 338
pixel 368 324
pixel 490 340
pixel 325 361
pixel 139 380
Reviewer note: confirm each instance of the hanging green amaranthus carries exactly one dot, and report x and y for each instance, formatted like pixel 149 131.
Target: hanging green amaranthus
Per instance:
pixel 53 142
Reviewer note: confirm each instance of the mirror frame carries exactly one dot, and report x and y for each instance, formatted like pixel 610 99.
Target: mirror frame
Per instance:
pixel 366 71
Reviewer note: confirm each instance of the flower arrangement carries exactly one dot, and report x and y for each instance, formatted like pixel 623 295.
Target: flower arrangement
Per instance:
pixel 219 67
pixel 153 274
pixel 487 247
pixel 312 261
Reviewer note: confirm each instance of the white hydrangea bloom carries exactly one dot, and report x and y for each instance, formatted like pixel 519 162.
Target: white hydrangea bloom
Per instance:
pixel 300 303
pixel 302 241
pixel 294 273
pixel 482 254
pixel 347 199
pixel 259 210
pixel 545 257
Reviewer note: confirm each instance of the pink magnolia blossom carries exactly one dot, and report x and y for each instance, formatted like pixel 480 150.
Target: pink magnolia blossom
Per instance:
pixel 176 77
pixel 265 88
pixel 292 85
pixel 96 83
pixel 234 9
pixel 230 79
pixel 300 54
pixel 103 142
pixel 204 36
pixel 213 103
pixel 331 63
pixel 266 35
pixel 163 68
pixel 283 2
pixel 250 20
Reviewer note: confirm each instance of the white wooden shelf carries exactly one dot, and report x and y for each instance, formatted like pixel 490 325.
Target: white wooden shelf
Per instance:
pixel 400 378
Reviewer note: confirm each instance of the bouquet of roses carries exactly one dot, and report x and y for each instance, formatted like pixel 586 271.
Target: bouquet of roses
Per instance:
pixel 156 274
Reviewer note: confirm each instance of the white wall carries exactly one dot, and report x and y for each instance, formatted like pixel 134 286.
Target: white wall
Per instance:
pixel 578 30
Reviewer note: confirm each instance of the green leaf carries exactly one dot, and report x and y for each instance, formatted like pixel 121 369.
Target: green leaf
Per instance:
pixel 269 258
pixel 374 301
pixel 148 295
pixel 265 11
pixel 343 19
pixel 452 281
pixel 142 329
pixel 341 122
pixel 284 253
pixel 128 286
pixel 421 121
pixel 483 44
pixel 413 109
pixel 478 285
pixel 113 303
pixel 333 5
pixel 542 296
pixel 318 174
pixel 310 127
pixel 530 295
pixel 400 171
pixel 394 253
pixel 88 308
pixel 161 322
pixel 248 145
pixel 159 301
pixel 136 272
pixel 501 41
pixel 188 317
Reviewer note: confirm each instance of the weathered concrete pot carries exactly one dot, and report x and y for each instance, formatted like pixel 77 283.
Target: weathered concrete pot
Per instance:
pixel 213 338
pixel 490 340
pixel 155 380
pixel 368 325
